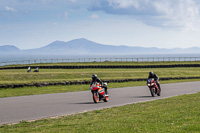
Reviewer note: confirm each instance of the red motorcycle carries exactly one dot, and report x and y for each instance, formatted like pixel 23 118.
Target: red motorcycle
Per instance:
pixel 98 92
pixel 153 87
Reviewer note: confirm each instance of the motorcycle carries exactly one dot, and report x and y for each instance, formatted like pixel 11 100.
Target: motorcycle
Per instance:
pixel 98 92
pixel 153 87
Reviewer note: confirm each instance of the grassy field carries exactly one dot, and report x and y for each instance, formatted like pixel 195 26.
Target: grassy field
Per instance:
pixel 174 115
pixel 18 76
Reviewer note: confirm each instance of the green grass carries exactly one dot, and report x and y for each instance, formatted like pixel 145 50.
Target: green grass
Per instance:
pixel 174 115
pixel 71 88
pixel 17 76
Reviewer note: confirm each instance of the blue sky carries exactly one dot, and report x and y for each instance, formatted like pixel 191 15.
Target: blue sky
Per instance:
pixel 147 23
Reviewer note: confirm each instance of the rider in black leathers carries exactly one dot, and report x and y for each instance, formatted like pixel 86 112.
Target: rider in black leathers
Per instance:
pixel 152 75
pixel 96 79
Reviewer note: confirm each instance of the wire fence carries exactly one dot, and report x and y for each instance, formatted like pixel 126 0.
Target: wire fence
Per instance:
pixel 147 59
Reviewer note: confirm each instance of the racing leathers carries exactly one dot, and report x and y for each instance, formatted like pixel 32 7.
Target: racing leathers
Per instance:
pixel 99 81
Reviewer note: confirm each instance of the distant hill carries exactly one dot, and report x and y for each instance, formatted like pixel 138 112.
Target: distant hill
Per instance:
pixel 9 49
pixel 84 46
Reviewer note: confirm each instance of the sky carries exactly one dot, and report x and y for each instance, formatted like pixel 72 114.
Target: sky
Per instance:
pixel 31 24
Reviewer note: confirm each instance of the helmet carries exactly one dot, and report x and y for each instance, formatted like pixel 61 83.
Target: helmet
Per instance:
pixel 94 77
pixel 151 73
pixel 104 84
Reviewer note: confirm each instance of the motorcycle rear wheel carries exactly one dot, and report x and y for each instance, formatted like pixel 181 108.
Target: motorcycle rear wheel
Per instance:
pixel 106 99
pixel 95 97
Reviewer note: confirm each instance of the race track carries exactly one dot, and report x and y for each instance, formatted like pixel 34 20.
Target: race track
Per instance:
pixel 16 109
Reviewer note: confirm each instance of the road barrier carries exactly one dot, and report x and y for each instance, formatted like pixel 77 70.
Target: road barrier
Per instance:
pixel 146 59
pixel 88 82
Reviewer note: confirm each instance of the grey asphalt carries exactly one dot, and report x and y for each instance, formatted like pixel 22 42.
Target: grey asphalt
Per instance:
pixel 16 109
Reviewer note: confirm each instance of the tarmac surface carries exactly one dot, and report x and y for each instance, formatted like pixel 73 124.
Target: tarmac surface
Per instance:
pixel 27 108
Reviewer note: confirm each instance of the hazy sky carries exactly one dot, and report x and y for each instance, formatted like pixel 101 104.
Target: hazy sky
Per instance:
pixel 147 23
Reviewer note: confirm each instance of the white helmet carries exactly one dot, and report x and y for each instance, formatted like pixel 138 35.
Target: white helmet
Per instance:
pixel 105 84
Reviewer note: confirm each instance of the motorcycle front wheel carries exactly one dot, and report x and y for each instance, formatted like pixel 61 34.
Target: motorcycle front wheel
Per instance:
pixel 95 97
pixel 159 91
pixel 152 92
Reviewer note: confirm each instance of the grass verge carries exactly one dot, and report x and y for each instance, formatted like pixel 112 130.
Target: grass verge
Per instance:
pixel 178 114
pixel 59 75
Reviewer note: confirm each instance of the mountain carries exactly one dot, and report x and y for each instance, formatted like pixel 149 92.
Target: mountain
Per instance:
pixel 9 49
pixel 84 46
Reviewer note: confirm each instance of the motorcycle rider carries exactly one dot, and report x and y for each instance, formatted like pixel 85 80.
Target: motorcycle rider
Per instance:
pixel 96 79
pixel 29 69
pixel 152 75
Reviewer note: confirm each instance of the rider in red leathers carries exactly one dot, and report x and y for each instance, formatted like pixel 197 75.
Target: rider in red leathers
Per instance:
pixel 96 79
pixel 152 75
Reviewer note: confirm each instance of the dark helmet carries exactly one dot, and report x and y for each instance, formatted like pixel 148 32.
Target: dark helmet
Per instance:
pixel 151 73
pixel 94 77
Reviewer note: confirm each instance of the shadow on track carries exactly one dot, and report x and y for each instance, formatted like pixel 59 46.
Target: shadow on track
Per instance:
pixel 141 97
pixel 84 103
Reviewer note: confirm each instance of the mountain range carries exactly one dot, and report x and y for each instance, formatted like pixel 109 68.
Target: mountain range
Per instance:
pixel 84 46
